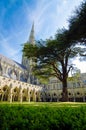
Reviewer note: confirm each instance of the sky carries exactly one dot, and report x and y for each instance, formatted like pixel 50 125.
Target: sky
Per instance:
pixel 16 19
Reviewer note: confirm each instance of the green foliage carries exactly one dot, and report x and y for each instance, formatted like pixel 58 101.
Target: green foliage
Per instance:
pixel 28 49
pixel 77 24
pixel 42 118
pixel 51 57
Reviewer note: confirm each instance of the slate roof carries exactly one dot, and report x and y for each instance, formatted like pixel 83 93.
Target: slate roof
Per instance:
pixel 11 62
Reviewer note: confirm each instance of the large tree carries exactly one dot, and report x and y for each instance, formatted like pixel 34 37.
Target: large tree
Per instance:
pixel 52 59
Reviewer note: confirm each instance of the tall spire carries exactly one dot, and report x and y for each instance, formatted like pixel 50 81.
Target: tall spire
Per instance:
pixel 31 37
pixel 31 40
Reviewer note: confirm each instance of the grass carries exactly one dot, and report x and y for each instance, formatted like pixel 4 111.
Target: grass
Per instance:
pixel 46 104
pixel 42 116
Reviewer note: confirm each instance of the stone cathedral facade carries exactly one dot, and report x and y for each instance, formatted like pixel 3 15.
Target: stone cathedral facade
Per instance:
pixel 18 84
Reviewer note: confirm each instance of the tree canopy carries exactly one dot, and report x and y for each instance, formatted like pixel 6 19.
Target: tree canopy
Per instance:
pixel 77 25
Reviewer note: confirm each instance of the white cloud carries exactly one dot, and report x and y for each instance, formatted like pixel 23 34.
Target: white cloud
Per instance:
pixel 8 48
pixel 80 64
pixel 64 1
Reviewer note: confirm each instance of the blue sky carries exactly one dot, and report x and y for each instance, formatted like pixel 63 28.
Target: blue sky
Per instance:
pixel 17 16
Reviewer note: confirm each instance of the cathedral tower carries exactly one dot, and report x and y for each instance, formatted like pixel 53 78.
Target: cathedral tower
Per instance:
pixel 28 62
pixel 31 40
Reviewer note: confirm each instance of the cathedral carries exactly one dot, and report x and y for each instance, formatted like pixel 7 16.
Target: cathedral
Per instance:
pixel 15 70
pixel 16 80
pixel 18 84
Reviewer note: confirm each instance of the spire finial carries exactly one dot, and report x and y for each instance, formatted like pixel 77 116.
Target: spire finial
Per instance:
pixel 31 37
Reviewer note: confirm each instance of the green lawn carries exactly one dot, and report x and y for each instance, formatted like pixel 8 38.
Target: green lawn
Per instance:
pixel 42 116
pixel 46 104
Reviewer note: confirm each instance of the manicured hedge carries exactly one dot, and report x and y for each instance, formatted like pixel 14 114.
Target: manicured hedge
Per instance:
pixel 42 118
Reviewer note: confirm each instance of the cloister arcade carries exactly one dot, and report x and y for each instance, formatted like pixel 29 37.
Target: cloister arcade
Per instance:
pixel 14 90
pixel 76 92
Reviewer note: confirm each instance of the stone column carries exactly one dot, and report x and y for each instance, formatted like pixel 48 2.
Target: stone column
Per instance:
pixel 51 97
pixel 11 95
pixel 39 96
pixel 74 99
pixel 28 94
pixel 83 98
pixel 57 98
pixel 74 95
pixel 2 97
pixel 34 95
pixel 20 94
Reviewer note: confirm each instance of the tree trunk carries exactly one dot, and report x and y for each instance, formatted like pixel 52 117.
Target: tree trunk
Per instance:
pixel 64 91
